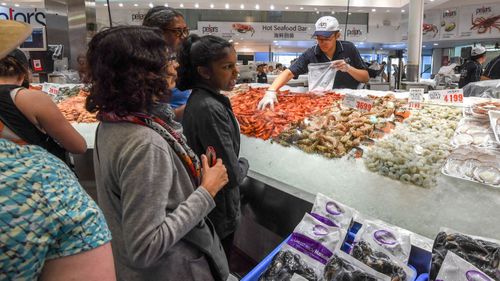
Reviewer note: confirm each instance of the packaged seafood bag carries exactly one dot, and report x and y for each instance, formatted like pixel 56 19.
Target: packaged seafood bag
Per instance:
pixel 331 212
pixel 481 252
pixel 370 252
pixel 398 244
pixel 321 76
pixel 454 268
pixel 306 253
pixel 343 267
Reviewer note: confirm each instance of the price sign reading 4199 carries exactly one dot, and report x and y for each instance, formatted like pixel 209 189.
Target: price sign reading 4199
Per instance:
pixel 416 98
pixel 453 96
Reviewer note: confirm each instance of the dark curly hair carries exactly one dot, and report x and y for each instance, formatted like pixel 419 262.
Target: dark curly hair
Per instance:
pixel 198 51
pixel 160 17
pixel 126 70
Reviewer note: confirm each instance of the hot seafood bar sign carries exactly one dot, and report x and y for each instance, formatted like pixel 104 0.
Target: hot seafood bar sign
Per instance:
pixel 271 31
pixel 480 21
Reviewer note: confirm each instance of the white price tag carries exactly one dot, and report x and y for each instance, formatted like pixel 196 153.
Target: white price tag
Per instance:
pixel 454 96
pixel 360 103
pixel 435 95
pixel 50 89
pixel 416 98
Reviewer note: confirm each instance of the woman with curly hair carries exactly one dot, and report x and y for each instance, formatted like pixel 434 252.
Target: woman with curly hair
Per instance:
pixel 153 189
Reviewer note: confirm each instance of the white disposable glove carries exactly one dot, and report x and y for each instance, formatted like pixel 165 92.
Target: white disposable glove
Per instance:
pixel 268 99
pixel 341 65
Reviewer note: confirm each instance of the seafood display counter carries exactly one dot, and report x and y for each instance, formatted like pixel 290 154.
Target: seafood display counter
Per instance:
pixel 389 169
pixel 310 145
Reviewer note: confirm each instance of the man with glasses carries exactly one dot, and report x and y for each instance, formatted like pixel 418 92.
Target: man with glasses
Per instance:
pixel 175 31
pixel 342 54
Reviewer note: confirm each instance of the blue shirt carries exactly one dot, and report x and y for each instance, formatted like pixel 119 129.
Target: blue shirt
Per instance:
pixel 344 50
pixel 44 212
pixel 179 98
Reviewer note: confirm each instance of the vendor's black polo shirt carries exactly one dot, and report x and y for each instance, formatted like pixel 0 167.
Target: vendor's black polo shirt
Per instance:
pixel 492 70
pixel 344 50
pixel 471 72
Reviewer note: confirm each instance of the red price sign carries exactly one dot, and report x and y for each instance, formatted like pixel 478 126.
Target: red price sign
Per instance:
pixel 453 96
pixel 360 103
pixel 53 90
pixel 415 105
pixel 363 105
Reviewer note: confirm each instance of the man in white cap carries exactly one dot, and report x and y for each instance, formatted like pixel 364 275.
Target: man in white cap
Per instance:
pixel 343 55
pixel 472 69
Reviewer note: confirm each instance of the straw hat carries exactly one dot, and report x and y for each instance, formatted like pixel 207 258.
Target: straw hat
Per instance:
pixel 12 34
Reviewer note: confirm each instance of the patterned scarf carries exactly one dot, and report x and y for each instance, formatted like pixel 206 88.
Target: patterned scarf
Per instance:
pixel 175 140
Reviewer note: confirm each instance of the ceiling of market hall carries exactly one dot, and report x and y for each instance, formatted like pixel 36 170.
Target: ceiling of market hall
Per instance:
pixel 360 6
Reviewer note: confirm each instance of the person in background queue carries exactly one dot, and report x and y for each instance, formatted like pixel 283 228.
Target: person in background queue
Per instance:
pixel 208 65
pixel 261 74
pixel 270 69
pixel 343 55
pixel 30 116
pixel 153 189
pixel 279 69
pixel 175 31
pixel 472 69
pixel 492 70
pixel 50 229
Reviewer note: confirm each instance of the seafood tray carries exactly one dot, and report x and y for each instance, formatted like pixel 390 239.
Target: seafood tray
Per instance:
pixel 268 123
pixel 340 131
pixel 474 164
pixel 480 109
pixel 73 109
pixel 480 252
pixel 495 123
pixel 474 131
pixel 258 270
pixel 416 150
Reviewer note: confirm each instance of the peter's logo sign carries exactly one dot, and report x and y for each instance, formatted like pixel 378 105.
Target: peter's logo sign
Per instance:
pixel 24 16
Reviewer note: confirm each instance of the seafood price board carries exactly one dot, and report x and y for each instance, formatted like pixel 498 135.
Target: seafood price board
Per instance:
pixel 455 96
pixel 360 103
pixel 416 98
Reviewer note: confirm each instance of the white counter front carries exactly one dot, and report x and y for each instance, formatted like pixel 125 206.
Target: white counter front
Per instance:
pixel 461 205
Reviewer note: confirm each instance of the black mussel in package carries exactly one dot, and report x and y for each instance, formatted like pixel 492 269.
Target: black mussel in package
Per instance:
pixel 332 213
pixel 377 258
pixel 481 253
pixel 306 253
pixel 343 267
pixel 454 268
pixel 395 242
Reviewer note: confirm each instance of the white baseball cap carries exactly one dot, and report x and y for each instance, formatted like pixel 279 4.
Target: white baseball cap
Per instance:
pixel 477 50
pixel 325 26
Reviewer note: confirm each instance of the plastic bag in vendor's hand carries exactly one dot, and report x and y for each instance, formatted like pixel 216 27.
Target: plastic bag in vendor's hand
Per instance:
pixel 321 77
pixel 481 252
pixel 454 268
pixel 306 253
pixel 331 212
